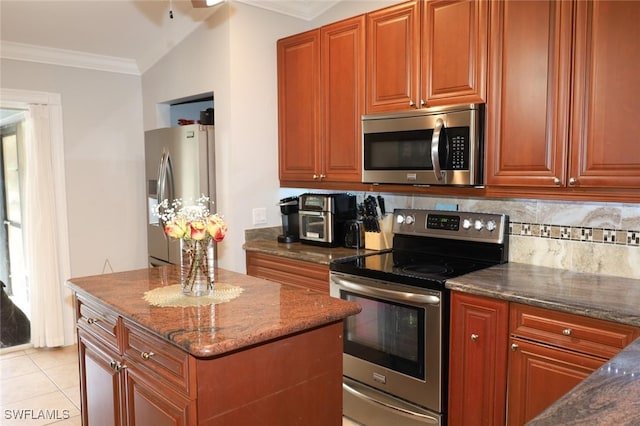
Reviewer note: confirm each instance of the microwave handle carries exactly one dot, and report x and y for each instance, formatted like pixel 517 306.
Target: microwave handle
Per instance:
pixel 435 149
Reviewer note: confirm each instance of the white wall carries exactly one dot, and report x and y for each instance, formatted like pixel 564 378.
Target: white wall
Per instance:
pixel 104 161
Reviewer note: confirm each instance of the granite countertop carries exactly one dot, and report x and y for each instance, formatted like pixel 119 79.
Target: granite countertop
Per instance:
pixel 598 296
pixel 304 252
pixel 611 394
pixel 264 310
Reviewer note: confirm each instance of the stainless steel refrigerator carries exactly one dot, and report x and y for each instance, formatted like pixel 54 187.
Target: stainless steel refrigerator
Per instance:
pixel 179 163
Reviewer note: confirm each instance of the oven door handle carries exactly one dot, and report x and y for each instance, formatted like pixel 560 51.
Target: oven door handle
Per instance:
pixel 391 294
pixel 421 417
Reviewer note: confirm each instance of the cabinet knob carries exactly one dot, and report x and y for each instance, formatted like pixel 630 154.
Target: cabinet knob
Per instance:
pixel 567 332
pixel 422 102
pixel 514 347
pixel 315 177
pixel 117 366
pixel 146 355
pixel 322 176
pixel 411 103
pixel 474 337
pixel 91 320
pixel 573 181
pixel 556 180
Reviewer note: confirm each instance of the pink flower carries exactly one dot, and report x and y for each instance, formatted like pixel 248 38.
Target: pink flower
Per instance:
pixel 197 230
pixel 216 227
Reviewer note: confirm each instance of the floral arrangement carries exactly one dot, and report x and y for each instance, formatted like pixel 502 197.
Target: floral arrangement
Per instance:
pixel 196 226
pixel 191 222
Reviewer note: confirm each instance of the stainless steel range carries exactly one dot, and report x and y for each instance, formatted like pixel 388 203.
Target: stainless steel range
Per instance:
pixel 396 349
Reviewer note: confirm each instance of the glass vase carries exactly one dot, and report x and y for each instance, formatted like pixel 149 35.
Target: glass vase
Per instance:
pixel 197 267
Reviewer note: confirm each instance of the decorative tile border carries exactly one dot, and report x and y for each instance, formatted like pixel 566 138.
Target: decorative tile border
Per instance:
pixel 576 233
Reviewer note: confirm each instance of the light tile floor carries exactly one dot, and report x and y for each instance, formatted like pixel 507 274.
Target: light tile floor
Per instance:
pixel 41 387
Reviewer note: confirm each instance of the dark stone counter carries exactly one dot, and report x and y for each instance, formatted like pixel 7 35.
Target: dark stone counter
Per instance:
pixel 303 252
pixel 597 296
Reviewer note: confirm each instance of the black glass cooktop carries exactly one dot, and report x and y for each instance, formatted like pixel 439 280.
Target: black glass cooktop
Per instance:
pixel 428 271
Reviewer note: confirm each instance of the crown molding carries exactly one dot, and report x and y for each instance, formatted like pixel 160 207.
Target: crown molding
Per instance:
pixel 67 58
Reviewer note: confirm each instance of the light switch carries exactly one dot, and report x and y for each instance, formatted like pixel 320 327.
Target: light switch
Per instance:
pixel 260 216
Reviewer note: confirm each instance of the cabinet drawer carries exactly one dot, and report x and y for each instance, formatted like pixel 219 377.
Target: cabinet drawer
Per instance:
pixel 100 321
pixel 288 271
pixel 587 335
pixel 158 358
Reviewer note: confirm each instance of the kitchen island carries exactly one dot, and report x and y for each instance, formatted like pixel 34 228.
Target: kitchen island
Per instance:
pixel 272 355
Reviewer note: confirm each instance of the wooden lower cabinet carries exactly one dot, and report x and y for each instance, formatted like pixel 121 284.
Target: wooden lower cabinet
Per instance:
pixel 101 386
pixel 151 402
pixel 312 276
pixel 478 360
pixel 510 361
pixel 553 351
pixel 115 390
pixel 539 375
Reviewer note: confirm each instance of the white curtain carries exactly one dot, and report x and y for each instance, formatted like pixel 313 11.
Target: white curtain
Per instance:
pixel 41 233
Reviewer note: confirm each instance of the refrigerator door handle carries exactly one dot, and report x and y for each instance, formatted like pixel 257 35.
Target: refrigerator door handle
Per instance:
pixel 169 178
pixel 160 179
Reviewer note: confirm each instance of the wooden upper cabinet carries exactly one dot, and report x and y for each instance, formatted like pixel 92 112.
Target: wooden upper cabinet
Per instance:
pixel 454 51
pixel 321 76
pixel 562 105
pixel 343 77
pixel 528 100
pixel 606 102
pixel 299 105
pixel 426 53
pixel 393 58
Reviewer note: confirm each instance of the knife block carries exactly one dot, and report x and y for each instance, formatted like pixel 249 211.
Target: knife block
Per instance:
pixel 380 240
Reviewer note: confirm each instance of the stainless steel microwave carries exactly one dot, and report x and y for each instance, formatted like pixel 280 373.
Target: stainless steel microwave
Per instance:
pixel 434 146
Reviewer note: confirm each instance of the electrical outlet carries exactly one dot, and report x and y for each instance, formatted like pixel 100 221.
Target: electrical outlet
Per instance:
pixel 260 216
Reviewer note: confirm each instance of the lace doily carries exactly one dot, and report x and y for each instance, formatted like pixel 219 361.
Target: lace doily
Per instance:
pixel 171 296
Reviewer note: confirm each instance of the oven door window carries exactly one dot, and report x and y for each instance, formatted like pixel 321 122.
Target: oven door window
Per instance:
pixel 387 333
pixel 313 226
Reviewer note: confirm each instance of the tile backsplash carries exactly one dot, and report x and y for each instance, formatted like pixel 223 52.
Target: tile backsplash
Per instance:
pixel 579 236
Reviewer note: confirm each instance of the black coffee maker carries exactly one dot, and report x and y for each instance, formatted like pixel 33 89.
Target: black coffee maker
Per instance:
pixel 290 220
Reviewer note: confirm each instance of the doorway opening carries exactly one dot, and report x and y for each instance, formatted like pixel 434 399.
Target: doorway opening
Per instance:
pixel 15 327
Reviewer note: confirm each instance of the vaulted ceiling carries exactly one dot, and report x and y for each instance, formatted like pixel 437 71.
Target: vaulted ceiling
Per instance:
pixel 133 34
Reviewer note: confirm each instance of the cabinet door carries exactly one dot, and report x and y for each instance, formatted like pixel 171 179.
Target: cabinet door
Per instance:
pixel 478 360
pixel 605 125
pixel 454 52
pixel 539 375
pixel 299 106
pixel 150 402
pixel 393 52
pixel 528 100
pixel 100 383
pixel 343 76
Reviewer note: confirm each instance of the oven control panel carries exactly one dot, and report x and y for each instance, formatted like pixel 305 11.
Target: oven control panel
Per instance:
pixel 486 227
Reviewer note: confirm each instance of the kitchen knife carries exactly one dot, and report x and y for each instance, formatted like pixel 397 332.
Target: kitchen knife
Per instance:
pixel 383 211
